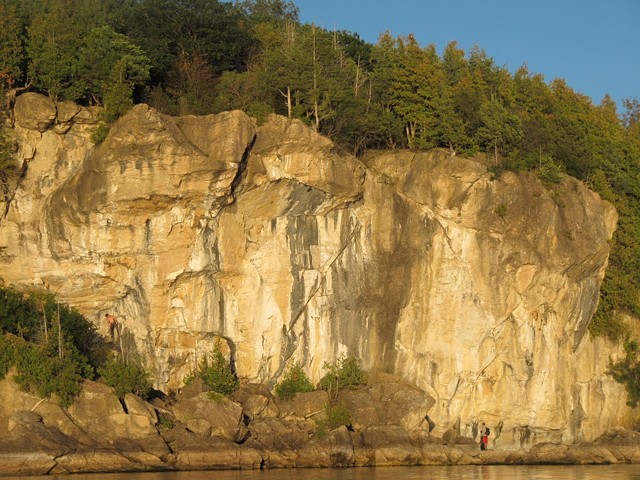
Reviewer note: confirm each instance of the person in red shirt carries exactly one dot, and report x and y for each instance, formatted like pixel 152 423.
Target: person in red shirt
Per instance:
pixel 484 437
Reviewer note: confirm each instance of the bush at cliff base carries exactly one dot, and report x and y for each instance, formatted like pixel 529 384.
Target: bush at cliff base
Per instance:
pixel 46 368
pixel 126 377
pixel 345 372
pixel 295 381
pixel 52 346
pixel 627 371
pixel 215 371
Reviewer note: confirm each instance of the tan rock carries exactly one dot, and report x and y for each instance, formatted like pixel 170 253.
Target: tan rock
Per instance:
pixel 386 400
pixel 386 446
pixel 256 401
pixel 277 434
pixel 99 412
pixel 26 463
pixel 34 112
pixel 305 405
pixel 198 230
pixel 137 406
pixel 217 416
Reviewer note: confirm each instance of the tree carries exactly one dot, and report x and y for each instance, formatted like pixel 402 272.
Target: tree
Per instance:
pixel 217 32
pixel 11 44
pixel 56 40
pixel 384 57
pixel 276 12
pixel 631 116
pixel 111 66
pixel 574 132
pixel 8 168
pixel 417 92
pixel 500 130
pixel 454 64
pixel 627 371
pixel 534 101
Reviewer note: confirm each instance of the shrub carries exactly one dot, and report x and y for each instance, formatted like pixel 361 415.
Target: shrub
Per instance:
pixel 345 372
pixel 295 381
pixel 215 371
pixel 47 369
pixel 551 172
pixel 100 133
pixel 7 353
pixel 501 210
pixel 27 315
pixel 335 416
pixel 627 371
pixel 166 423
pixel 607 326
pixel 129 377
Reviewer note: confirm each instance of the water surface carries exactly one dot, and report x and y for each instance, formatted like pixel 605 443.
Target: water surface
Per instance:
pixel 484 472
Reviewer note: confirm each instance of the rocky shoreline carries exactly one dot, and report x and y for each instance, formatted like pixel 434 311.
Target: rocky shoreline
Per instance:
pixel 341 448
pixel 252 429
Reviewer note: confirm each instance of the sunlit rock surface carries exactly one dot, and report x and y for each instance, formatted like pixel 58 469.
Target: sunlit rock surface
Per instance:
pixel 277 243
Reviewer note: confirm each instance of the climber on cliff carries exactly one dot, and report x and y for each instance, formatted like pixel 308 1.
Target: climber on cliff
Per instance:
pixel 484 436
pixel 112 322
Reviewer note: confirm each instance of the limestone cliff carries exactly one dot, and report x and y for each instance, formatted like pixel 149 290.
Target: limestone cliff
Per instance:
pixel 476 290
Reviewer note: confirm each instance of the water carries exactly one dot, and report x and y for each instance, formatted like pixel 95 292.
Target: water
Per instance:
pixel 484 472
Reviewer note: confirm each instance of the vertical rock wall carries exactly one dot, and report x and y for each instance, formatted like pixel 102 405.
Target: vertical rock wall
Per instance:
pixel 199 229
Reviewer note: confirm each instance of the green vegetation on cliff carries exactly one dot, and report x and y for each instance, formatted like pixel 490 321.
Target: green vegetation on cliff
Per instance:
pixel 627 371
pixel 294 381
pixel 54 348
pixel 215 371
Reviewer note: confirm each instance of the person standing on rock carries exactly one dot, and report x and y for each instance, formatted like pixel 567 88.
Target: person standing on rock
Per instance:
pixel 484 436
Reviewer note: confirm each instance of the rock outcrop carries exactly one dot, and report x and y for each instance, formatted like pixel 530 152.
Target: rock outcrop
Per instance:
pixel 194 230
pixel 102 434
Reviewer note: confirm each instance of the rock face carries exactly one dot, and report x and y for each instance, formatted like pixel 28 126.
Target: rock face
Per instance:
pixel 192 230
pixel 102 434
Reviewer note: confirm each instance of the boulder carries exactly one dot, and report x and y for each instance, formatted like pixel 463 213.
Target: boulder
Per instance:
pixel 386 400
pixel 33 111
pixel 386 446
pixel 256 401
pixel 304 405
pixel 210 415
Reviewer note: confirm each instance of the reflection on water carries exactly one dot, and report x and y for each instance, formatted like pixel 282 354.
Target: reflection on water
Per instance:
pixel 484 472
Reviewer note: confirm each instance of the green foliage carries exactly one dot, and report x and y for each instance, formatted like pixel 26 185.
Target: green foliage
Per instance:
pixel 8 164
pixel 126 377
pixel 295 381
pixel 627 371
pixel 18 315
pixel 7 355
pixel 11 41
pixel 35 317
pixel 55 44
pixel 345 372
pixel 500 130
pixel 47 369
pixel 165 423
pixel 501 210
pixel 335 416
pixel 608 325
pixel 52 346
pixel 100 133
pixel 550 172
pixel 215 371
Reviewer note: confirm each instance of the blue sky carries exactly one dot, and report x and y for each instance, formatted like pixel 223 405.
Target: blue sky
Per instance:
pixel 593 45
